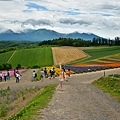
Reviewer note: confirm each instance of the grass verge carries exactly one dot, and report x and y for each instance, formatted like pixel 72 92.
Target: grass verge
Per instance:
pixel 110 84
pixel 38 102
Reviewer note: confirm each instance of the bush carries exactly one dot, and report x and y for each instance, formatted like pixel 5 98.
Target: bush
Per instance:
pixel 5 66
pixel 18 66
pixel 35 66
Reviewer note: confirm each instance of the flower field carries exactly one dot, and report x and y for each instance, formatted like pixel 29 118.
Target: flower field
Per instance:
pixel 12 72
pixel 101 63
pixel 85 68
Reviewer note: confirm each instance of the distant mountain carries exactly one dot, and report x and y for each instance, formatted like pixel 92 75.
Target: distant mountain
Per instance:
pixel 43 34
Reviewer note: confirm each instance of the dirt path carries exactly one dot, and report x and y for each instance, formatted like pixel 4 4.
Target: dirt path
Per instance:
pixel 80 100
pixel 25 81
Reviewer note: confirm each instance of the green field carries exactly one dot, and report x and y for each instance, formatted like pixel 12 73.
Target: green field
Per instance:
pixel 4 57
pixel 30 57
pixel 42 56
pixel 101 52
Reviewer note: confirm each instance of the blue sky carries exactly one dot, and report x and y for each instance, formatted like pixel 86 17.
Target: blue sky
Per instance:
pixel 101 17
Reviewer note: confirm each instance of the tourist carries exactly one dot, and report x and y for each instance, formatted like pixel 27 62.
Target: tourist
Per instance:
pixel 45 73
pixel 5 76
pixel 34 75
pixel 42 75
pixel 61 77
pixel 18 77
pixel 52 73
pixel 8 75
pixel 0 76
pixel 69 73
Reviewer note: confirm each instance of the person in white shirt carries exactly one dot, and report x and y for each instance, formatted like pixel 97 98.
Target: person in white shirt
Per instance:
pixel 34 75
pixel 18 77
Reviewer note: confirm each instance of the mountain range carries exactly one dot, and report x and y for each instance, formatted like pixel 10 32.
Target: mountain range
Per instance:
pixel 43 34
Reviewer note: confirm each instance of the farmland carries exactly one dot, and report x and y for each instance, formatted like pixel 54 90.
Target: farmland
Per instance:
pixel 64 55
pixel 97 59
pixel 47 56
pixel 94 54
pixel 41 56
pixel 4 57
pixel 99 53
pixel 31 57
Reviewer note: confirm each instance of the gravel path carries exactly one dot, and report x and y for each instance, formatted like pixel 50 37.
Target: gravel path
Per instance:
pixel 79 100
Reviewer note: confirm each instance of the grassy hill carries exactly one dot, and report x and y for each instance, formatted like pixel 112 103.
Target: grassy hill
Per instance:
pixel 102 52
pixel 96 53
pixel 4 57
pixel 41 56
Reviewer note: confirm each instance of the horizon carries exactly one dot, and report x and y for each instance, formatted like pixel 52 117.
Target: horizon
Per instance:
pixel 97 17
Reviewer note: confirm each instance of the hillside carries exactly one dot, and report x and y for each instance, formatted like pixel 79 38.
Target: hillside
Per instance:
pixel 47 56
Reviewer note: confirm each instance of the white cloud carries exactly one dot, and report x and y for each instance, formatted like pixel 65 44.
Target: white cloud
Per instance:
pixel 95 16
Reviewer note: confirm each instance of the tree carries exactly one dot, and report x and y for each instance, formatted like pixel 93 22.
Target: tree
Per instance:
pixel 117 40
pixel 18 66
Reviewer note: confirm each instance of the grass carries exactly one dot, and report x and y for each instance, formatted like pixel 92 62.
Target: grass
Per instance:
pixel 38 102
pixel 110 84
pixel 4 57
pixel 30 57
pixel 97 53
pixel 116 56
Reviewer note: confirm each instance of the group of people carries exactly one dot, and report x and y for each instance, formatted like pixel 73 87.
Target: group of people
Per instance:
pixel 5 76
pixel 44 73
pixel 51 74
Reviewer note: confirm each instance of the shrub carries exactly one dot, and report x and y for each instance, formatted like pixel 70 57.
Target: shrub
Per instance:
pixel 35 66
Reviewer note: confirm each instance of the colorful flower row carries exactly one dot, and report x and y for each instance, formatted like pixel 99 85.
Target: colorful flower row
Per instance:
pixel 11 72
pixel 78 69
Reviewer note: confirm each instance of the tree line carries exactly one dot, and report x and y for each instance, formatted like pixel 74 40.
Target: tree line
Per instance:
pixel 81 43
pixel 66 42
pixel 103 41
pixel 8 66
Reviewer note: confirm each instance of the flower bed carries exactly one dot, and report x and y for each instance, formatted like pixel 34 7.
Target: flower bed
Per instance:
pixel 79 69
pixel 12 72
pixel 114 65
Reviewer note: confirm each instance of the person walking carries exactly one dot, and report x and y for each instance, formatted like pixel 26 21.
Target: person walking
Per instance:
pixel 42 75
pixel 52 73
pixel 0 76
pixel 45 73
pixel 8 75
pixel 69 73
pixel 34 75
pixel 5 76
pixel 61 77
pixel 18 77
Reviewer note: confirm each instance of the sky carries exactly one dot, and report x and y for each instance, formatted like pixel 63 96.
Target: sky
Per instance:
pixel 101 17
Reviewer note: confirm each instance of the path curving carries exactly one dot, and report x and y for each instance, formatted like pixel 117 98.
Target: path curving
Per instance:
pixel 80 100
